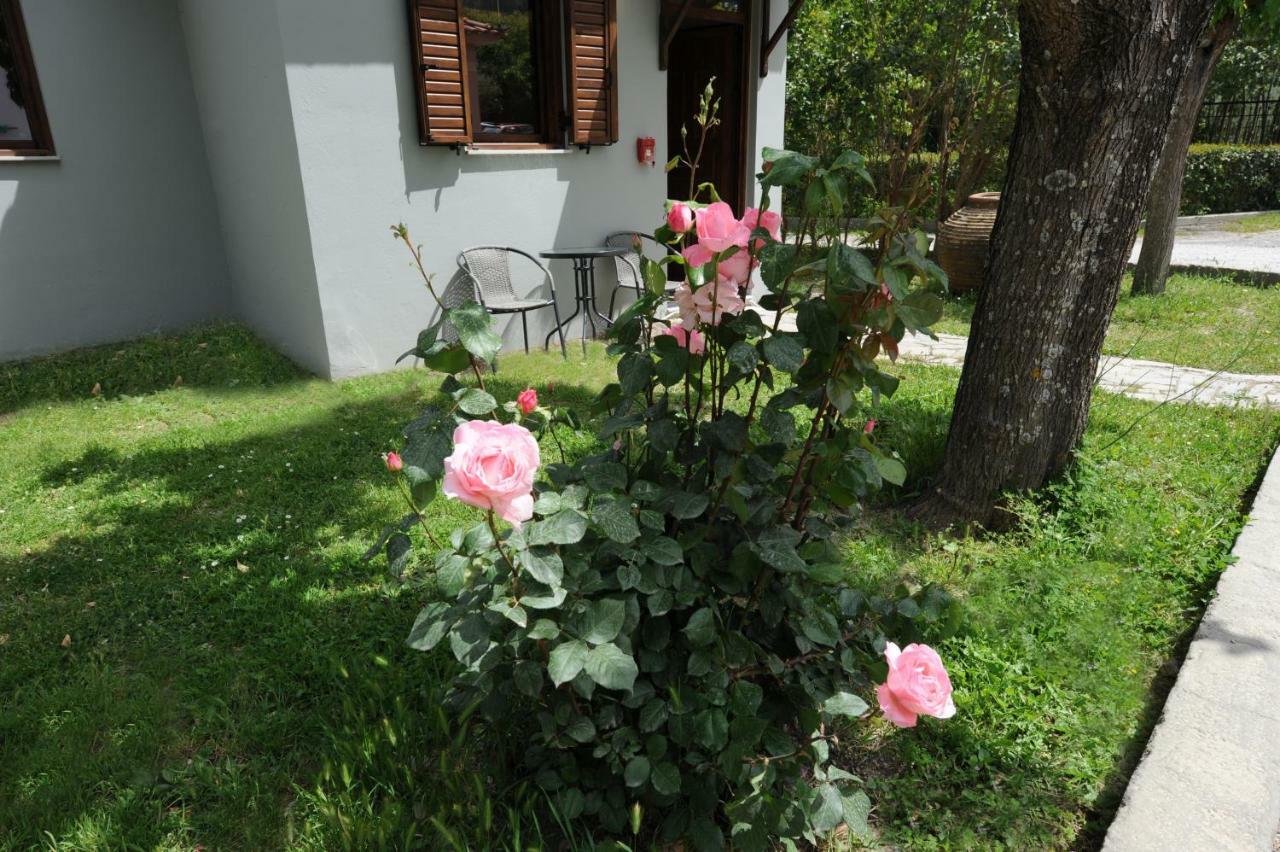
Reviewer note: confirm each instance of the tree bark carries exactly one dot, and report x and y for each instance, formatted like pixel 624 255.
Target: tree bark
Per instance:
pixel 1165 197
pixel 1098 84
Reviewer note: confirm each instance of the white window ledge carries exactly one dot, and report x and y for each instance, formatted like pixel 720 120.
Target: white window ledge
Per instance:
pixel 485 151
pixel 53 159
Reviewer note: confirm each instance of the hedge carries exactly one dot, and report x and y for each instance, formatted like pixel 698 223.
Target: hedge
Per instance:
pixel 1231 178
pixel 1219 179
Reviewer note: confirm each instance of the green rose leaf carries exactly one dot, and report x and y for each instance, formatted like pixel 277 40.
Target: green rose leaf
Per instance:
pixel 399 549
pixel 845 704
pixel 827 809
pixel 429 627
pixel 701 628
pixel 636 771
pixel 919 310
pixel 776 547
pixel 783 351
pixel 544 628
pixel 607 476
pixel 611 667
pixel 891 469
pixel 475 331
pixel 544 566
pixel 685 505
pixel 666 779
pixel 475 402
pixel 663 550
pixel 566 661
pixel 567 526
pixel 602 620
pixel 612 514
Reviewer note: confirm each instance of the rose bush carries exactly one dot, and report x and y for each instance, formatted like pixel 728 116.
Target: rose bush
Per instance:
pixel 669 622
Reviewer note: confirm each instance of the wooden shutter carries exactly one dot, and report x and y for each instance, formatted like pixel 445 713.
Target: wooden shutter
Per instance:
pixel 439 41
pixel 593 77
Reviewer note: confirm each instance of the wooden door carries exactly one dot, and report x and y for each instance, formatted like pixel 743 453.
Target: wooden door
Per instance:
pixel 698 53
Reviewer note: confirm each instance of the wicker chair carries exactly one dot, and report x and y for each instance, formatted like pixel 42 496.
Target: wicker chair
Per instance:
pixel 489 268
pixel 628 265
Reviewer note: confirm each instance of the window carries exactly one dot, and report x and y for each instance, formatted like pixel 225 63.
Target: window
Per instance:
pixel 24 130
pixel 515 73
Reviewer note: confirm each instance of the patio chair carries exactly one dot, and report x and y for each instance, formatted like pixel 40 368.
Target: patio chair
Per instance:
pixel 489 268
pixel 628 265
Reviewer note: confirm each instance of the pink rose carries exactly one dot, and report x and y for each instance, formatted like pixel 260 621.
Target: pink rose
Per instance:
pixel 492 467
pixel 680 217
pixel 527 400
pixel 709 303
pixel 395 464
pixel 769 221
pixel 736 267
pixel 718 229
pixel 917 685
pixel 870 427
pixel 691 340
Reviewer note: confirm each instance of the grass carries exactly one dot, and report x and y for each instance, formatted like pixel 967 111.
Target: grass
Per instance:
pixel 1256 224
pixel 192 652
pixel 1198 321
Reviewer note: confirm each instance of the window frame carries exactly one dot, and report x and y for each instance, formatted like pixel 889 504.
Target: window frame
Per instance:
pixel 41 143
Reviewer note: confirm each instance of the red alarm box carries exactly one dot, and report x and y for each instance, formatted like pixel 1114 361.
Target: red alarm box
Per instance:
pixel 646 151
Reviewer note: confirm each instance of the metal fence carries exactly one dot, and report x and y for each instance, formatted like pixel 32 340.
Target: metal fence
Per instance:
pixel 1255 122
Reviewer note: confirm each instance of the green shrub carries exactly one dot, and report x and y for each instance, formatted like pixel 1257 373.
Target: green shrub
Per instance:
pixel 1231 178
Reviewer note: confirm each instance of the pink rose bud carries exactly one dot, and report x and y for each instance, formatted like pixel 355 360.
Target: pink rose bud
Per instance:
pixel 492 467
pixel 917 686
pixel 527 400
pixel 395 464
pixel 870 427
pixel 680 217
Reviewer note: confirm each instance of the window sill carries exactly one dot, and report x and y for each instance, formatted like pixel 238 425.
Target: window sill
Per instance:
pixel 30 158
pixel 484 150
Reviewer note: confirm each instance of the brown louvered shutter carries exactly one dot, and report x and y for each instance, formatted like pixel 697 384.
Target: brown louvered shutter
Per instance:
pixel 593 77
pixel 440 43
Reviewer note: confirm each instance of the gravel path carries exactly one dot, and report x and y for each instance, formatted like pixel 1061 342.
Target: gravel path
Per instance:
pixel 1208 243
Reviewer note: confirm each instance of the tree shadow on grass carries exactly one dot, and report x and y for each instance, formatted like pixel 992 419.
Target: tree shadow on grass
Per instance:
pixel 213 592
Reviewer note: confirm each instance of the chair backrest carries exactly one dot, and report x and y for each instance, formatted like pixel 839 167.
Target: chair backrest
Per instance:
pixel 489 268
pixel 628 265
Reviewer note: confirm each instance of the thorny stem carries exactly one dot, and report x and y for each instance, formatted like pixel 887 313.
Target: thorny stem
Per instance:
pixel 402 233
pixel 408 498
pixel 497 541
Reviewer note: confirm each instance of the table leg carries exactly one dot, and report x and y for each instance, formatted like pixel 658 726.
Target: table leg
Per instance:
pixel 581 273
pixel 594 307
pixel 563 325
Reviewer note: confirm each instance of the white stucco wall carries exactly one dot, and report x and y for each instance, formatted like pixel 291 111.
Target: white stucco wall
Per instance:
pixel 120 235
pixel 354 113
pixel 238 67
pixel 771 99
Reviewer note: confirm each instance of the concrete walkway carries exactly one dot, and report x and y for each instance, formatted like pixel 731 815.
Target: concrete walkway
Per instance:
pixel 1210 777
pixel 1151 380
pixel 1210 244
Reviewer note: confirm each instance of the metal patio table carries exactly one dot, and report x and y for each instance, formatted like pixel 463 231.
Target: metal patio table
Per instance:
pixel 584 284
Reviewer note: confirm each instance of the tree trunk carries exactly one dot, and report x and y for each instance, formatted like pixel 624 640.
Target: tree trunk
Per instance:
pixel 1098 84
pixel 1165 196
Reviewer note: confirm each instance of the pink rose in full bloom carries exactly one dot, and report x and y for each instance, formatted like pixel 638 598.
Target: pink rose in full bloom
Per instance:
pixel 395 464
pixel 769 221
pixel 527 400
pixel 709 303
pixel 691 340
pixel 917 685
pixel 697 254
pixel 680 217
pixel 492 467
pixel 718 228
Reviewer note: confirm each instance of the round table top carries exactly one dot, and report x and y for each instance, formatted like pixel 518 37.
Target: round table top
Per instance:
pixel 586 251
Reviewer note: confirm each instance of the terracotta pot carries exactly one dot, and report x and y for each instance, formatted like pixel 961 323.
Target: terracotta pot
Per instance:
pixel 964 238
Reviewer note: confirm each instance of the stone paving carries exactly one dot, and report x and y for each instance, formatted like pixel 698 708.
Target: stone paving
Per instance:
pixel 1150 380
pixel 1207 243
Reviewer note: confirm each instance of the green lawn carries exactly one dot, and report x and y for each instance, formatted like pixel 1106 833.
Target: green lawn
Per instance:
pixel 1256 224
pixel 234 676
pixel 1214 323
